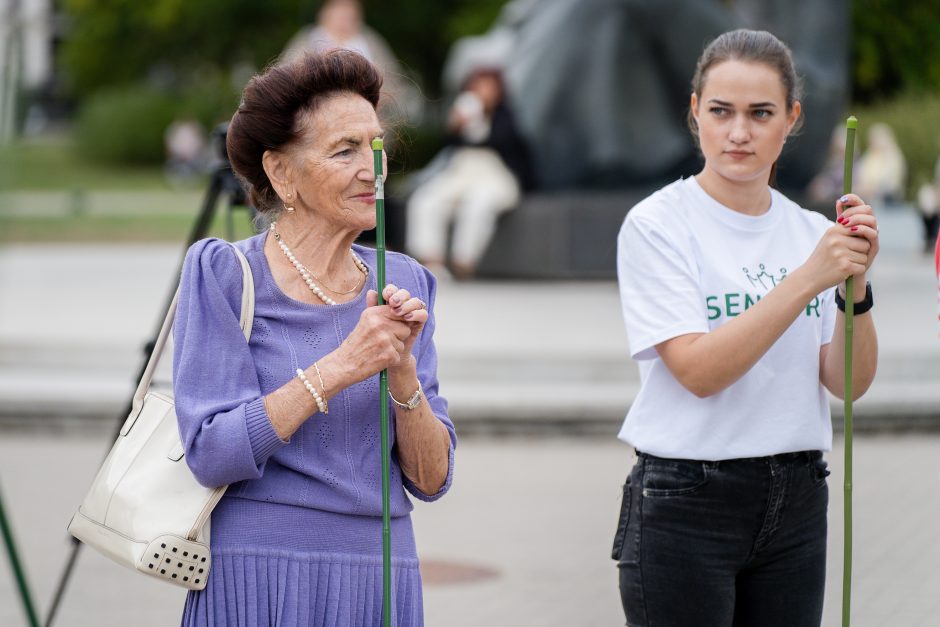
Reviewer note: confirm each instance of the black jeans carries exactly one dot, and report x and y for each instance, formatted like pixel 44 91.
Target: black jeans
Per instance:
pixel 735 543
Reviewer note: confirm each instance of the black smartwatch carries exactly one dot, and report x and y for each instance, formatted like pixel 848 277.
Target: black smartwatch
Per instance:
pixel 860 307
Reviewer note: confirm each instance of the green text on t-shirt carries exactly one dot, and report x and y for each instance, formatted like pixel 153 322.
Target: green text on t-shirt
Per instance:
pixel 735 303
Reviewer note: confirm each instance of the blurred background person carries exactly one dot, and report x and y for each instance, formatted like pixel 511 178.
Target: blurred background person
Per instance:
pixel 340 25
pixel 882 169
pixel 485 169
pixel 927 207
pixel 828 183
pixel 928 203
pixel 186 151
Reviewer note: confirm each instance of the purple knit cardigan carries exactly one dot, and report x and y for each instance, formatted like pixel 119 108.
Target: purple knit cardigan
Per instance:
pixel 332 462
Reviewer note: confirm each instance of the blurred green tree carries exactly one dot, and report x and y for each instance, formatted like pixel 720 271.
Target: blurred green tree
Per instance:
pixel 122 57
pixel 896 43
pixel 114 42
pixel 895 47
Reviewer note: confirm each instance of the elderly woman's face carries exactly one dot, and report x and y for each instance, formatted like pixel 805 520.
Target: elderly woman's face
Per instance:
pixel 335 175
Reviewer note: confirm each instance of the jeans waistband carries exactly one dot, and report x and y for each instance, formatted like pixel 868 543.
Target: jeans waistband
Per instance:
pixel 780 458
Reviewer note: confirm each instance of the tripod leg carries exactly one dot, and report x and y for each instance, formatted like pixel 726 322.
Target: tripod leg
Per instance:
pixel 199 230
pixel 17 568
pixel 63 582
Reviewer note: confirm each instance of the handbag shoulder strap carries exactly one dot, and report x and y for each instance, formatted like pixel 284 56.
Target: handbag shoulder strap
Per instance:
pixel 246 320
pixel 247 317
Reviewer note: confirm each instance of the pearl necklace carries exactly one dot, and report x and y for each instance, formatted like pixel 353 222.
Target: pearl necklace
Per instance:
pixel 306 274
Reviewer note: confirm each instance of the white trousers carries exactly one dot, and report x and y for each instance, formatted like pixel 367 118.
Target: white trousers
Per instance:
pixel 472 191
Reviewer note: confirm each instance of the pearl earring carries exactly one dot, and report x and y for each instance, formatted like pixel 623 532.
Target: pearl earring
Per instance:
pixel 288 207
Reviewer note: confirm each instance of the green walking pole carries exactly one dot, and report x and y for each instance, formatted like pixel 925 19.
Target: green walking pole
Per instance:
pixel 851 124
pixel 17 568
pixel 377 149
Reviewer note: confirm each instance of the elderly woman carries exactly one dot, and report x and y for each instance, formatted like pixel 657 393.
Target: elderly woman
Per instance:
pixel 290 419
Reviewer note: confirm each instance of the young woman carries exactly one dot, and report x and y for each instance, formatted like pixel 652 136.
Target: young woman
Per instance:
pixel 727 292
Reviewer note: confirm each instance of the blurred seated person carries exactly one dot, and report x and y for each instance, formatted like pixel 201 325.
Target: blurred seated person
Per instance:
pixel 882 170
pixel 487 168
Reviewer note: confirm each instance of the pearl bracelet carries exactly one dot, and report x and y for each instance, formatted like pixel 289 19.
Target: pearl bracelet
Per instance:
pixel 322 405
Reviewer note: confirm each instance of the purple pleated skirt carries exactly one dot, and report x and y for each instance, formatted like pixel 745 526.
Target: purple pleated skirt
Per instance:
pixel 286 566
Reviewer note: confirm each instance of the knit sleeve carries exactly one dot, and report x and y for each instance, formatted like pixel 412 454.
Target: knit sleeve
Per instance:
pixel 426 357
pixel 226 433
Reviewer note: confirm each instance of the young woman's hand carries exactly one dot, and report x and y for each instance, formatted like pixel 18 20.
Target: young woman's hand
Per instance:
pixel 859 219
pixel 847 248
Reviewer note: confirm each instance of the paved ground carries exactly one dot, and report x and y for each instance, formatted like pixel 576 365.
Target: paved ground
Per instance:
pixel 538 512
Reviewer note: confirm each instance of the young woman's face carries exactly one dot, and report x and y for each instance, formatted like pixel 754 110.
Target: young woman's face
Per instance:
pixel 742 119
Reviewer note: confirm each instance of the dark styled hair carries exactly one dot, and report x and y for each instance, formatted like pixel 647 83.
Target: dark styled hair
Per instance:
pixel 756 46
pixel 273 103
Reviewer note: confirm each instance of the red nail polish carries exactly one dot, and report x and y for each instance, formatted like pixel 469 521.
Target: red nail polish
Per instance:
pixel 842 220
pixel 854 228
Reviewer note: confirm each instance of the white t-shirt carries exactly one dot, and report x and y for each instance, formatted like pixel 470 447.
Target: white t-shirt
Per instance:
pixel 688 264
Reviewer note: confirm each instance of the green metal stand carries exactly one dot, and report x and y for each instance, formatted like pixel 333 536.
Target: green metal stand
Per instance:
pixel 377 149
pixel 17 568
pixel 851 124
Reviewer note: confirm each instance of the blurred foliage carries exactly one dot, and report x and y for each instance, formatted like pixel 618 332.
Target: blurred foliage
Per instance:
pixel 125 124
pixel 895 47
pixel 114 42
pixel 421 32
pixel 174 47
pixel 136 66
pixel 120 41
pixel 915 119
pixel 896 43
pixel 54 164
pixel 173 225
pixel 77 227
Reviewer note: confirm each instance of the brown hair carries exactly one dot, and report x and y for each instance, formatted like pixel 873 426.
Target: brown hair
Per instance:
pixel 273 103
pixel 756 46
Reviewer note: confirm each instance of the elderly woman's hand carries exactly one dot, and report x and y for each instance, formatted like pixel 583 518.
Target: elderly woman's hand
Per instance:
pixel 384 336
pixel 408 309
pixel 377 342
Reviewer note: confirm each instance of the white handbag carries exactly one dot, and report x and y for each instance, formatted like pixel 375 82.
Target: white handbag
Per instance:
pixel 145 508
